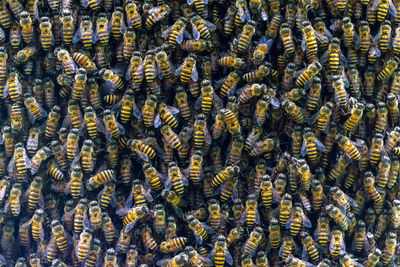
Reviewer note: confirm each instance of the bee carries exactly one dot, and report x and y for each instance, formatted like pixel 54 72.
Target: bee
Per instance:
pixel 112 79
pixel 92 122
pixel 261 50
pixel 296 220
pixel 131 256
pixel 132 215
pixel 390 247
pixel 322 118
pixel 388 69
pixel 334 56
pixel 149 110
pixel 285 33
pixel 46 35
pixel 382 7
pixel 36 223
pixel 100 178
pixel 287 247
pixel 338 216
pixel 153 177
pixel 148 240
pixel 34 194
pixel 112 127
pixel 187 70
pixel 275 237
pixel 157 14
pixel 337 244
pixel 195 258
pixel 85 62
pixel 59 155
pixel 311 145
pixel 251 244
pixel 84 243
pixel 145 152
pixel 348 147
pixel 195 167
pixel 13 87
pixel 309 41
pixel 173 245
pixel 375 151
pixel 250 214
pixel 66 60
pixel 220 253
pixel 373 193
pixel 309 246
pixel 19 162
pixel 171 138
pixel 373 258
pixel 199 229
pixel 85 33
pixel 166 114
pixel 177 261
pixel 106 195
pixel 133 16
pixel 58 231
pixel 174 33
pixel 26 27
pixel 122 244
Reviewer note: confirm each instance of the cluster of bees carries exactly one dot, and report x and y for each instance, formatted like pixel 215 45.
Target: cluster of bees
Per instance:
pixel 199 133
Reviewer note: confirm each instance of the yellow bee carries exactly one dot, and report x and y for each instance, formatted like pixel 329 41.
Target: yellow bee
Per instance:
pixel 348 147
pixel 200 230
pixel 144 151
pixel 388 70
pixel 100 178
pixel 337 215
pixel 113 79
pixel 334 56
pixel 85 33
pixel 147 238
pixel 220 253
pixel 156 14
pixel 131 256
pixel 175 32
pixel 106 195
pixel 252 243
pixel 166 114
pixel 322 118
pixel 173 245
pixel 66 60
pixel 85 62
pixel 112 127
pixel 390 247
pixel 26 27
pixel 382 7
pixel 36 223
pixel 261 50
pixel 187 70
pixel 132 15
pixel 296 220
pixel 309 41
pixel 373 258
pixel 218 128
pixel 46 35
pixel 311 145
pixel 337 244
pixel 132 215
pixel 373 193
pixel 286 35
pixel 201 28
pixel 375 151
pixel 178 261
pixel 392 141
pixel 287 247
pixel 195 258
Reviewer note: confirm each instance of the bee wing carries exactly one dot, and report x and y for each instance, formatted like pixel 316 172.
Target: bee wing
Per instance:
pixel 194 75
pixel 27 224
pixel 11 164
pixel 319 144
pixel 242 14
pixel 197 104
pixel 306 221
pixel 168 183
pixel 303 148
pixel 3 191
pixel 195 31
pixel 154 9
pixel 264 15
pixel 129 200
pixel 303 43
pixel 190 2
pixel 136 111
pixel 392 9
pixel 179 69
pixel 179 37
pixel 120 128
pixel 157 121
pixel 173 110
pixel 217 101
pixel 243 216
pixel 207 136
pixel 5 90
pixel 377 37
pixel 289 221
pixel 228 257
pixel 85 3
pixel 324 58
pixel 142 155
pixel 129 226
pixel 374 50
pixel 164 262
pixel 280 253
pixel 210 25
pixel 342 59
pixel 77 36
pixel 166 32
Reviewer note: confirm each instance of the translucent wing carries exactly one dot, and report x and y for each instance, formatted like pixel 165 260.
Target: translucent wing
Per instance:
pixel 196 33
pixel 166 32
pixel 77 36
pixel 377 37
pixel 179 69
pixel 228 257
pixel 207 137
pixel 304 148
pixel 195 74
pixel 392 9
pixel 375 5
pixel 210 25
pixel 306 221
pixel 319 144
pixel 154 9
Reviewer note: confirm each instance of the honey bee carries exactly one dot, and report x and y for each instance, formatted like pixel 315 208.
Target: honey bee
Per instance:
pixel 85 33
